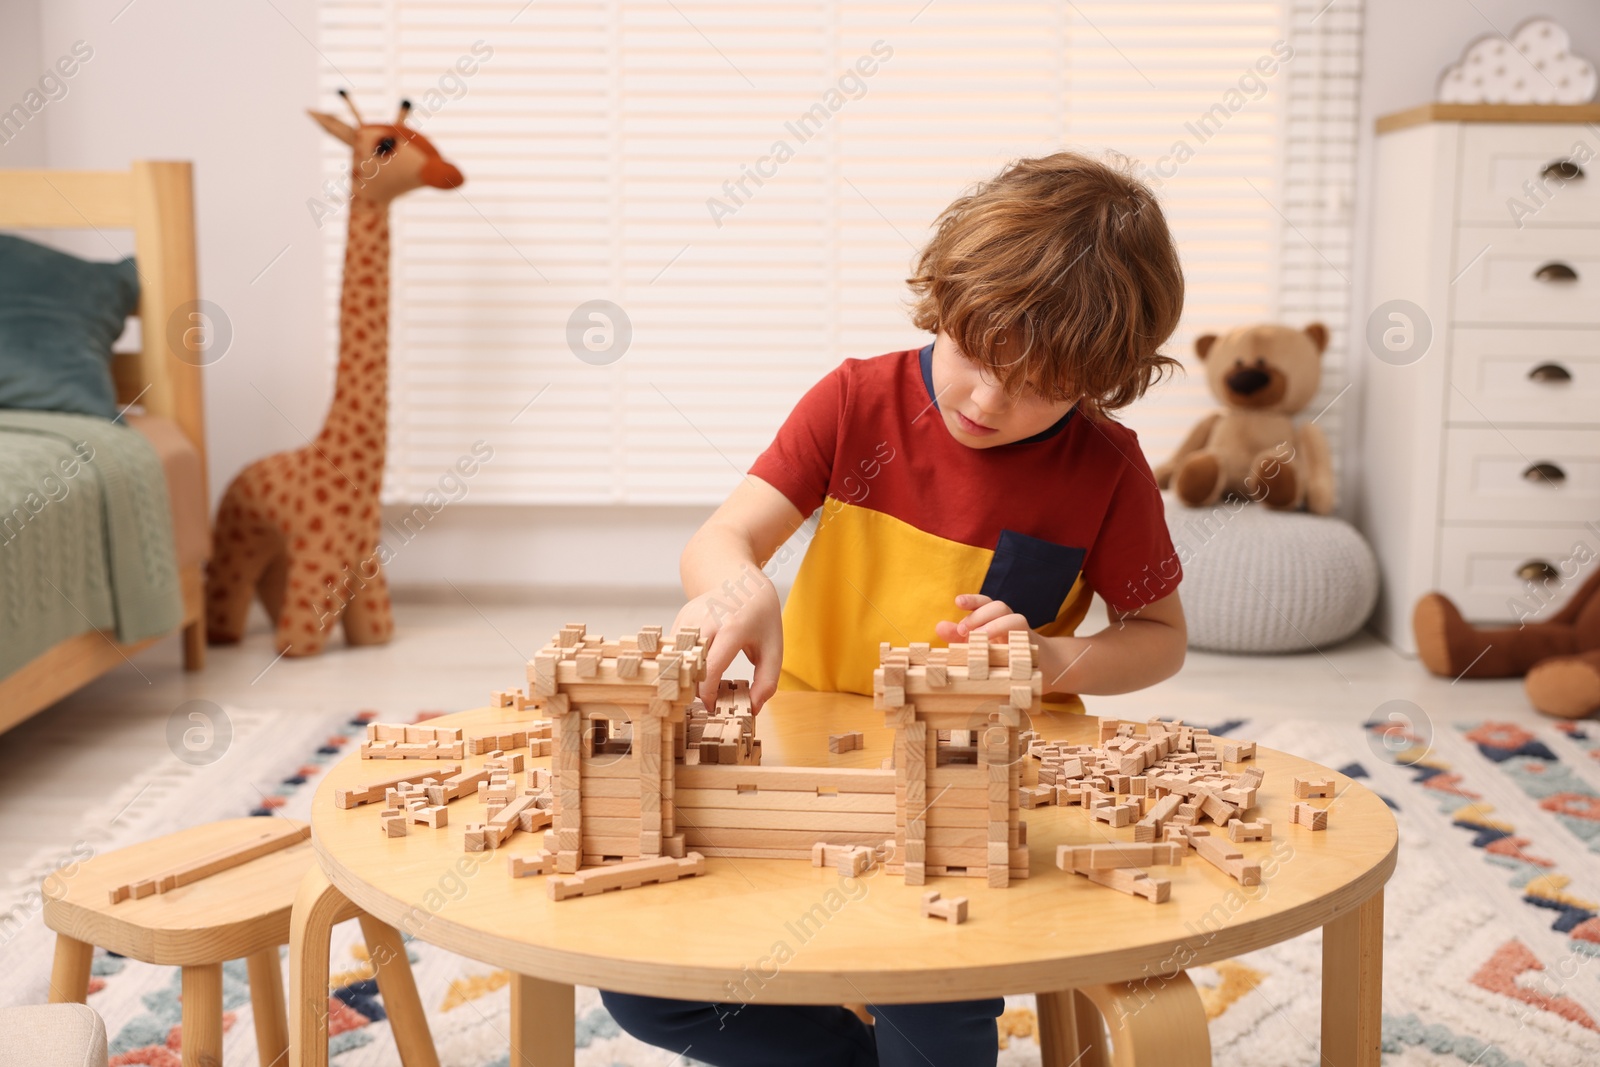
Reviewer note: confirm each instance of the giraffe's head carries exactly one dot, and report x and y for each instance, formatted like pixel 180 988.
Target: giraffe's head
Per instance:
pixel 388 160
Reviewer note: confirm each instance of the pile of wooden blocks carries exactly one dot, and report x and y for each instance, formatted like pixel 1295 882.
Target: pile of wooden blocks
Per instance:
pixel 846 742
pixel 355 796
pixel 1164 782
pixel 533 736
pixel 508 806
pixel 723 734
pixel 407 803
pixel 448 786
pixel 388 740
pixel 1172 768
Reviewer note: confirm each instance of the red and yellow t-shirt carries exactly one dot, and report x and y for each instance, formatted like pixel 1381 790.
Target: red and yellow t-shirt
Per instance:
pixel 911 517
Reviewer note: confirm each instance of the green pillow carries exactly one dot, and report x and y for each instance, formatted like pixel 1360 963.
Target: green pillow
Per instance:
pixel 59 316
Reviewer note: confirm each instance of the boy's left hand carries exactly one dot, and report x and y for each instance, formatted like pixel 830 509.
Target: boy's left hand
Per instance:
pixel 988 616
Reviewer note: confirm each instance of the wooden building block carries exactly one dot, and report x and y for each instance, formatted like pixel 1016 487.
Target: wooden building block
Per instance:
pixel 1236 751
pixel 853 860
pixel 856 861
pixel 1311 817
pixel 412 750
pixel 1149 827
pixel 846 742
pixel 1115 814
pixel 1239 830
pixel 279 835
pixel 626 876
pixel 1035 796
pixel 953 911
pixel 1226 858
pixel 1133 882
pixel 393 823
pixel 977 657
pixel 1216 809
pixel 1084 858
pixel 434 816
pixel 1305 788
pixel 533 819
pixel 537 863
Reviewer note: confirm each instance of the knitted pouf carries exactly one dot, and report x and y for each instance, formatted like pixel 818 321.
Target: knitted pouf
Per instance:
pixel 1257 580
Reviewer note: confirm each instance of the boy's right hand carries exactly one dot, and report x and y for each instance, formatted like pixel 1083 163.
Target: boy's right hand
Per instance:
pixel 752 625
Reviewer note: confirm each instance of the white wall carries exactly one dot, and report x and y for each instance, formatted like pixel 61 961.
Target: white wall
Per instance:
pixel 20 68
pixel 223 85
pixel 1407 44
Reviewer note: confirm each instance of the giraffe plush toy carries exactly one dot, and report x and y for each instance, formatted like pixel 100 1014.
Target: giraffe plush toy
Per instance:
pixel 300 529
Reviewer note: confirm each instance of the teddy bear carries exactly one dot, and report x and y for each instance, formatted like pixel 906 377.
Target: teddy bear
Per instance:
pixel 1263 375
pixel 1559 657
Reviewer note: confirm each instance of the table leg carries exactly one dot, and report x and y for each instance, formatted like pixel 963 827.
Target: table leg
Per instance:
pixel 201 1015
pixel 1352 986
pixel 69 975
pixel 1071 1033
pixel 1163 1024
pixel 541 1023
pixel 412 1037
pixel 271 1014
pixel 317 907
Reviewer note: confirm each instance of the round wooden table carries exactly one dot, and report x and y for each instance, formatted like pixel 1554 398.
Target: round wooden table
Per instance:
pixel 781 931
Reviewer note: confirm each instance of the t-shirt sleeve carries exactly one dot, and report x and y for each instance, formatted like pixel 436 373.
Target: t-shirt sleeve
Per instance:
pixel 1133 562
pixel 799 462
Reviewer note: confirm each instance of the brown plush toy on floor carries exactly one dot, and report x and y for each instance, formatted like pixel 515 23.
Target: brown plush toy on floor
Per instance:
pixel 1559 657
pixel 1262 376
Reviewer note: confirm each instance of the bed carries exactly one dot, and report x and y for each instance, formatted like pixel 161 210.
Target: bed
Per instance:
pixel 161 382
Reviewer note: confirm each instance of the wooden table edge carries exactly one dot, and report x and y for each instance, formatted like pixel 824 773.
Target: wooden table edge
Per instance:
pixel 795 985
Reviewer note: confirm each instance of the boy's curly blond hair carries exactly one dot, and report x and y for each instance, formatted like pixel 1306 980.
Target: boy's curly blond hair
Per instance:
pixel 1058 274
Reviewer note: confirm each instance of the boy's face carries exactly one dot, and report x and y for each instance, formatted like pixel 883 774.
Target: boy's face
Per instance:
pixel 976 408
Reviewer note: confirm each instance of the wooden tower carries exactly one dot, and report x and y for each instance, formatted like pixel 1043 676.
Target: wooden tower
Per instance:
pixel 614 707
pixel 956 713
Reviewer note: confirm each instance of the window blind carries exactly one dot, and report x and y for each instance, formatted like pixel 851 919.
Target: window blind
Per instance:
pixel 749 184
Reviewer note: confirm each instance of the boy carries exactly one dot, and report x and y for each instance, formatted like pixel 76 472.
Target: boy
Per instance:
pixel 979 478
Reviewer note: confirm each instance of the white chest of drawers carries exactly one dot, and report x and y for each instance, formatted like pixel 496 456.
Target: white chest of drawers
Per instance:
pixel 1481 456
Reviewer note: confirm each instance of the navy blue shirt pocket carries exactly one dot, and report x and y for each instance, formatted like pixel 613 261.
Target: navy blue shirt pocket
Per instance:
pixel 1032 576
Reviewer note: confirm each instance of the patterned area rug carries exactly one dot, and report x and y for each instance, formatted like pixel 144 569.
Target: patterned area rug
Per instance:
pixel 1491 926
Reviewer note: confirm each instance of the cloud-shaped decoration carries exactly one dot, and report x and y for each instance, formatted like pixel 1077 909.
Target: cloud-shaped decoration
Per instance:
pixel 1537 66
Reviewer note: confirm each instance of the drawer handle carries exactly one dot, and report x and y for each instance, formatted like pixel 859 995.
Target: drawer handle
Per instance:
pixel 1563 169
pixel 1537 570
pixel 1545 472
pixel 1550 373
pixel 1556 272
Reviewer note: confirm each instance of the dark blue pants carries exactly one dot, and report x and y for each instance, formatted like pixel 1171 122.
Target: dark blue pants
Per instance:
pixel 959 1034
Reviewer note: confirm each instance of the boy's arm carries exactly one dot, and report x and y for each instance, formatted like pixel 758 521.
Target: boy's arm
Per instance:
pixel 1138 649
pixel 730 599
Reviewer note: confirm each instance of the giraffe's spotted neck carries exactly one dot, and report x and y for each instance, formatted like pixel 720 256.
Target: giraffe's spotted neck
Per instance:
pixel 355 435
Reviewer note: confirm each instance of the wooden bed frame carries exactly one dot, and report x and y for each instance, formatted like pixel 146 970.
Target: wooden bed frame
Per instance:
pixel 155 200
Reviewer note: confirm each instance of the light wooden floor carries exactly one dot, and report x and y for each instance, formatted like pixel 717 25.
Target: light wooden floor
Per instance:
pixel 452 648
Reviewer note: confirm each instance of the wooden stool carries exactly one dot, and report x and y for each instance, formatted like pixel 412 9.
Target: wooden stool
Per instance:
pixel 231 913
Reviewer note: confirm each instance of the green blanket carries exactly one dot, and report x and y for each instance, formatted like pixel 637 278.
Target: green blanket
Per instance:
pixel 85 535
